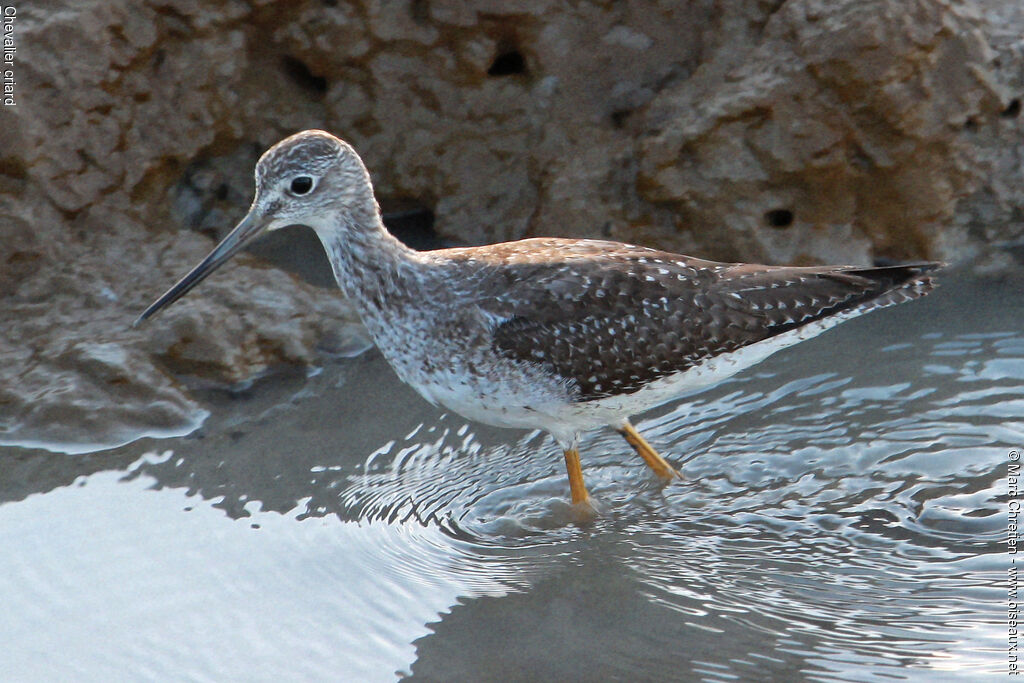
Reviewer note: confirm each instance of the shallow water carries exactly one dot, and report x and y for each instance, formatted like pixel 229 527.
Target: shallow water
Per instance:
pixel 843 517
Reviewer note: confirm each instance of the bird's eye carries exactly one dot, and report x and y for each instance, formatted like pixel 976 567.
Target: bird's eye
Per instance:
pixel 301 185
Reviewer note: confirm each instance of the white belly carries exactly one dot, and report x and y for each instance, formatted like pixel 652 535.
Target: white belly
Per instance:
pixel 522 395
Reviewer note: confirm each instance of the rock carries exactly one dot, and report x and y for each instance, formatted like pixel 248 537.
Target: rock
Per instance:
pixel 846 119
pixel 78 377
pixel 810 130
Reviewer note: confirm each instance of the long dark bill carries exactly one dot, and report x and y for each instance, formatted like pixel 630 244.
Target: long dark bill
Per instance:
pixel 243 233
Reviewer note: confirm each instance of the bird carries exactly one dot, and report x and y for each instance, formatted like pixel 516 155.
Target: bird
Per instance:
pixel 562 335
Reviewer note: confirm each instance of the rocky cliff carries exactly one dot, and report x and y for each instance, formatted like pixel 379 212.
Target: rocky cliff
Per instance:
pixel 791 131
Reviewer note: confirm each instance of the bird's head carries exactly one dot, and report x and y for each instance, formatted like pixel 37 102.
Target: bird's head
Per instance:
pixel 301 180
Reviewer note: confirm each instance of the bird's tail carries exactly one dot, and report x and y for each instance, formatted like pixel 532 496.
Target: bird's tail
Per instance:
pixel 891 285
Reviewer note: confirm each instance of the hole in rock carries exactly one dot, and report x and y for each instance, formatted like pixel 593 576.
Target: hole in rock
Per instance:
pixel 779 218
pixel 419 10
pixel 619 118
pixel 507 63
pixel 1012 109
pixel 412 222
pixel 296 70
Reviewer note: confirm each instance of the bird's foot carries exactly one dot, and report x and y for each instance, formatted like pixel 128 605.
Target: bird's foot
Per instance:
pixel 658 464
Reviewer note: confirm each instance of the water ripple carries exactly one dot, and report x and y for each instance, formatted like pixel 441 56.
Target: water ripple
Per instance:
pixel 842 517
pixel 846 520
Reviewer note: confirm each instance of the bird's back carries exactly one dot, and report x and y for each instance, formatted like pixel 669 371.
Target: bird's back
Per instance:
pixel 611 318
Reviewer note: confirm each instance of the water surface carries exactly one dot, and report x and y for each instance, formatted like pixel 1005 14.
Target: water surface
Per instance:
pixel 842 518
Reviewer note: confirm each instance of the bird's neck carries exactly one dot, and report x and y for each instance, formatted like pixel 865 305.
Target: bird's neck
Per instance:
pixel 371 265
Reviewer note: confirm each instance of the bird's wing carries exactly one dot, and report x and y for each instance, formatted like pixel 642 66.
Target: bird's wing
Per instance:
pixel 611 318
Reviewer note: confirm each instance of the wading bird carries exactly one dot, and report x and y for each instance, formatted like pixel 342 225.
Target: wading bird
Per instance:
pixel 563 335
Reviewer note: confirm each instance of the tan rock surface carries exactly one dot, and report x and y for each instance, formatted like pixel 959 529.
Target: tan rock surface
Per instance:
pixel 798 131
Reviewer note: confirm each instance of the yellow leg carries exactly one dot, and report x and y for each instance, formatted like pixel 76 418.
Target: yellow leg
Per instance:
pixel 576 487
pixel 645 451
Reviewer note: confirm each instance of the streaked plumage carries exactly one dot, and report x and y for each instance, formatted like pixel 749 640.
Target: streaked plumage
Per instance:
pixel 563 335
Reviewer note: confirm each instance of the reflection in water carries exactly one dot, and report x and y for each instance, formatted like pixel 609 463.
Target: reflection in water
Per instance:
pixel 126 586
pixel 841 517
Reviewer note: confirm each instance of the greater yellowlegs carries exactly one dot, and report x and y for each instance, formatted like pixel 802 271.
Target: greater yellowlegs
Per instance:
pixel 558 334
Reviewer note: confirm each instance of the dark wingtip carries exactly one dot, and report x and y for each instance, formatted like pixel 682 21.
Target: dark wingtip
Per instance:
pixel 926 266
pixel 899 282
pixel 896 272
pixel 890 283
pixel 895 266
